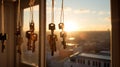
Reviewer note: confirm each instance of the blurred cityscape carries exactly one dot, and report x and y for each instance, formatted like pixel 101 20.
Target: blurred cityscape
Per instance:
pixel 84 48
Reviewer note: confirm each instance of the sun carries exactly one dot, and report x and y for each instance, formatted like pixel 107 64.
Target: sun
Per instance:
pixel 71 26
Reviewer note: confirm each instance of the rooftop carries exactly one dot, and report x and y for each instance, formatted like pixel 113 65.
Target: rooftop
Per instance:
pixel 95 56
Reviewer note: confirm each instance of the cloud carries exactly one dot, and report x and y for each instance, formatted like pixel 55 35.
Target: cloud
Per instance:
pixel 82 11
pixel 67 9
pixel 93 12
pixel 109 12
pixel 102 13
pixel 108 19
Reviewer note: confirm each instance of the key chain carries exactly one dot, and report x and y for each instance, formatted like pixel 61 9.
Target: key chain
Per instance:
pixel 63 34
pixel 3 34
pixel 52 38
pixel 18 33
pixel 30 34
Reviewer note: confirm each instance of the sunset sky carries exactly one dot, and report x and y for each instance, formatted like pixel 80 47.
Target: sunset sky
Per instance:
pixel 80 15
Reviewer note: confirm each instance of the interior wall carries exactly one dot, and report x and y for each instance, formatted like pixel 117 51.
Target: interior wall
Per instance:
pixel 7 58
pixel 115 10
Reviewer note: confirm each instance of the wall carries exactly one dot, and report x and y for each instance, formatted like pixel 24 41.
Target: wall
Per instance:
pixel 115 42
pixel 7 58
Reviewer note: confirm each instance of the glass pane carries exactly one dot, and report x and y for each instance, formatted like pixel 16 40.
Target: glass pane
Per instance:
pixel 88 27
pixel 28 56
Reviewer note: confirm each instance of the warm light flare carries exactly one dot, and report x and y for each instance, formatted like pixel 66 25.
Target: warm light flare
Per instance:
pixel 71 26
pixel 71 38
pixel 70 44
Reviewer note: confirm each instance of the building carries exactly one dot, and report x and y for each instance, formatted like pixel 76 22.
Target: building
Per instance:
pixel 88 60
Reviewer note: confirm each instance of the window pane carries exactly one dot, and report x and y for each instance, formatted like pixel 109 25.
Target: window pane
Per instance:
pixel 28 56
pixel 88 27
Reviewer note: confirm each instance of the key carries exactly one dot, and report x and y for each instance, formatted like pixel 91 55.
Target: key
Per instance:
pixel 64 44
pixel 28 36
pixel 19 43
pixel 52 41
pixel 63 35
pixel 34 39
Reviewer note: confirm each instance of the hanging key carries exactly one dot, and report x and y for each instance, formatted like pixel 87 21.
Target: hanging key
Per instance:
pixel 28 36
pixel 19 43
pixel 61 25
pixel 52 41
pixel 63 35
pixel 3 38
pixel 19 39
pixel 34 39
pixel 53 38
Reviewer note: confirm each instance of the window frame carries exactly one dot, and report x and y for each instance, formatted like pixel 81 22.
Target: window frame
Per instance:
pixel 115 24
pixel 42 30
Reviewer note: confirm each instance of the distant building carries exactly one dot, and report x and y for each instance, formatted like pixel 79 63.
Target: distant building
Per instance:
pixel 87 60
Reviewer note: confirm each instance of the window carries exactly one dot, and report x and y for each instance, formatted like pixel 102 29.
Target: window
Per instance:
pixel 96 63
pixel 108 64
pixel 80 61
pixel 105 64
pixel 83 61
pixel 93 63
pixel 88 62
pixel 28 56
pixel 88 27
pixel 99 64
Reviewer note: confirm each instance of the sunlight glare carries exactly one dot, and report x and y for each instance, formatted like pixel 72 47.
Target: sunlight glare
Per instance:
pixel 71 38
pixel 71 26
pixel 70 44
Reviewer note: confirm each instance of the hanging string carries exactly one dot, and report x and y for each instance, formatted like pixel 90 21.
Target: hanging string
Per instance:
pixel 31 12
pixel 2 8
pixel 19 16
pixel 31 3
pixel 61 26
pixel 52 13
pixel 62 12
